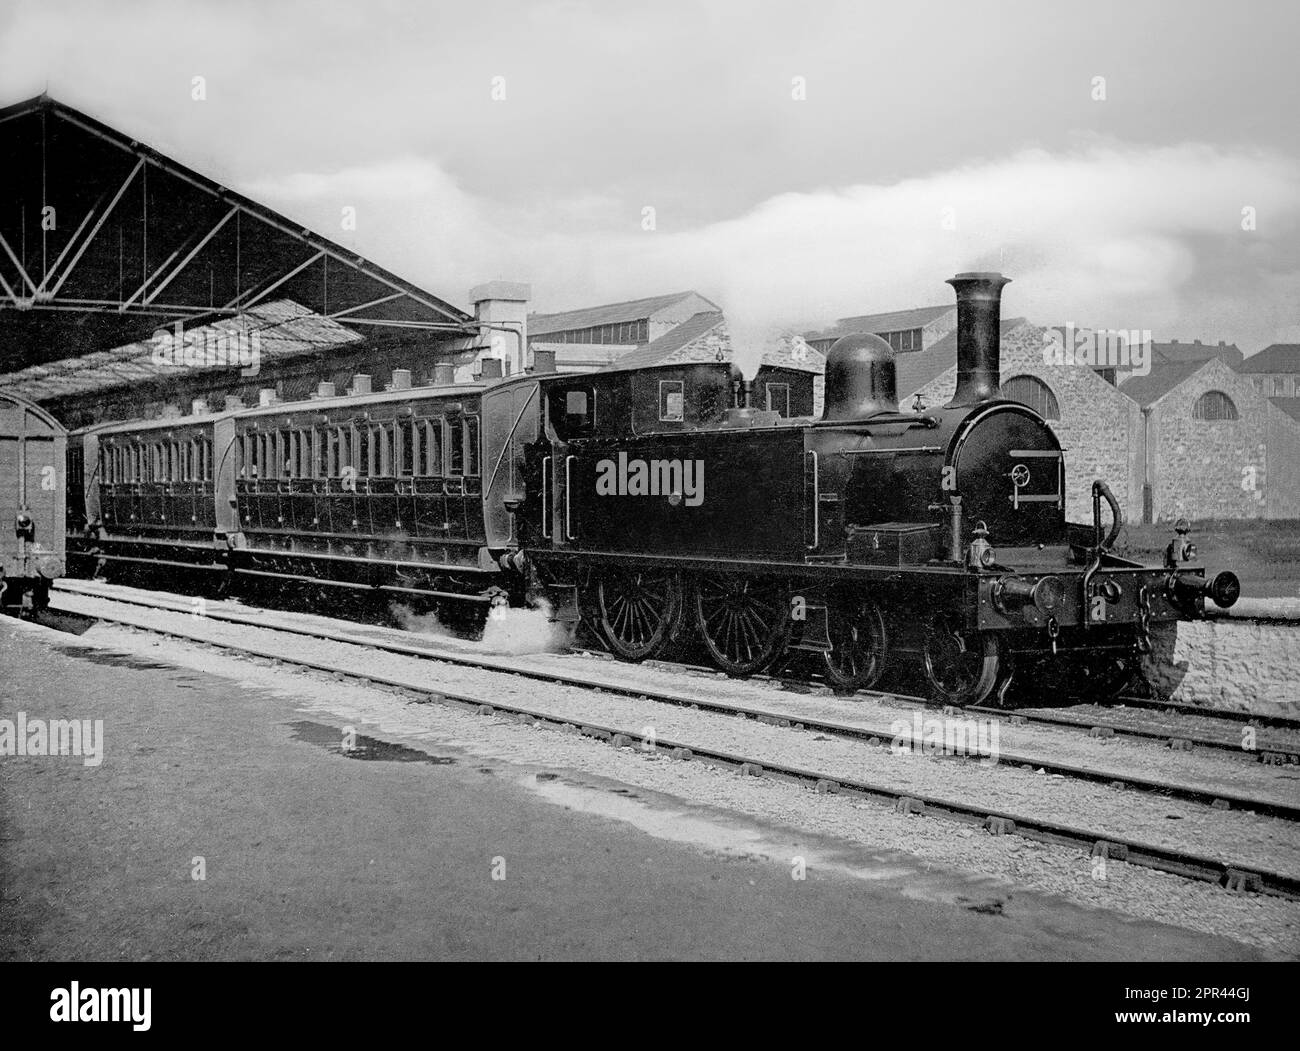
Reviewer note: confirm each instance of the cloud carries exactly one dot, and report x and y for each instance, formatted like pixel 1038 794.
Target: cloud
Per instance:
pixel 1108 235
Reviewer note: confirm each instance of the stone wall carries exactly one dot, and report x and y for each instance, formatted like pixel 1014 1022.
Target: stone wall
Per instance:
pixel 1210 468
pixel 1247 665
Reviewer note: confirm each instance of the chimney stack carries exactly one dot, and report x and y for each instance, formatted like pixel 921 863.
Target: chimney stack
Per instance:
pixel 444 374
pixel 361 383
pixel 491 368
pixel 401 380
pixel 543 361
pixel 979 337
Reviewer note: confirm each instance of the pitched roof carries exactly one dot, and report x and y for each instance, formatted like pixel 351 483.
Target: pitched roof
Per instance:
pixel 1162 378
pixel 97 296
pixel 895 321
pixel 1280 357
pixel 580 355
pixel 1174 351
pixel 917 369
pixel 1290 406
pixel 608 314
pixel 277 329
pixel 658 351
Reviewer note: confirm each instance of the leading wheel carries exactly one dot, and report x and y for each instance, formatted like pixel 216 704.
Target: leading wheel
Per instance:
pixel 744 621
pixel 857 632
pixel 961 666
pixel 640 611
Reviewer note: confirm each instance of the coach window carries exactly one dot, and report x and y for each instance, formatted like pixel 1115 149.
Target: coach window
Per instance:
pixel 306 468
pixel 455 447
pixel 361 438
pixel 381 455
pixel 469 433
pixel 672 396
pixel 778 398
pixel 432 465
pixel 405 450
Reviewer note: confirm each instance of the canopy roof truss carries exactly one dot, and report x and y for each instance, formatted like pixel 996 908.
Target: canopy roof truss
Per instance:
pixel 104 240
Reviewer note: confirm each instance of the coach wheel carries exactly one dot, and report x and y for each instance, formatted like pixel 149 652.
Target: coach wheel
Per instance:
pixel 857 654
pixel 640 611
pixel 961 666
pixel 744 621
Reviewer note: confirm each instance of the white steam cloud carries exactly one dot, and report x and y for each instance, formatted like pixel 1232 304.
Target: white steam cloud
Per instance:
pixel 1107 235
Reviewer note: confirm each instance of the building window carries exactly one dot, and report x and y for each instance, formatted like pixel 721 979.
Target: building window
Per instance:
pixel 1031 391
pixel 672 395
pixel 1214 405
pixel 1279 387
pixel 778 398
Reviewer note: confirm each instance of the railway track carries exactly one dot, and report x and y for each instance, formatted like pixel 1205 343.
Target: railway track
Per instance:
pixel 1280 748
pixel 1184 863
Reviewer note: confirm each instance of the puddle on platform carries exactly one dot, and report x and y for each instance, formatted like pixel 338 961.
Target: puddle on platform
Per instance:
pixel 113 658
pixel 359 746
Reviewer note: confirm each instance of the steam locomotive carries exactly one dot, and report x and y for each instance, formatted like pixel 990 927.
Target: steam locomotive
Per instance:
pixel 661 506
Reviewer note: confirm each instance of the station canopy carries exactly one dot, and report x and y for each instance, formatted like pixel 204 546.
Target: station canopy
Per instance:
pixel 104 242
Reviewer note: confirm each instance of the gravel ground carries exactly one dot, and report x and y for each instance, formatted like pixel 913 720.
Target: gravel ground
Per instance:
pixel 1119 758
pixel 1244 839
pixel 1184 724
pixel 1268 923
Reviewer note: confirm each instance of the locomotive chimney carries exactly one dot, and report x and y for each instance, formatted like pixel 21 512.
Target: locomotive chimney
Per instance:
pixel 861 378
pixel 444 373
pixel 361 383
pixel 326 389
pixel 401 380
pixel 979 334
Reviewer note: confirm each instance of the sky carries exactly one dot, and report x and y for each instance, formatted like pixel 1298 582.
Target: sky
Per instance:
pixel 1129 165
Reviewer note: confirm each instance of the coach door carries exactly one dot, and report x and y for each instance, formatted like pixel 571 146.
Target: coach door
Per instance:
pixel 510 422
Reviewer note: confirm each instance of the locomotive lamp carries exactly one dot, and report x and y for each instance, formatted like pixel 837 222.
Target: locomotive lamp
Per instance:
pixel 1180 549
pixel 980 553
pixel 24 527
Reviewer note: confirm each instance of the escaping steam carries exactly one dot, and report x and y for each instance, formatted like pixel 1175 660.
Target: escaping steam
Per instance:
pixel 514 631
